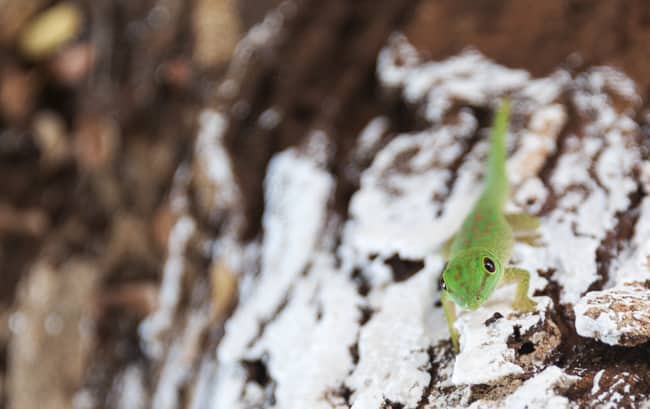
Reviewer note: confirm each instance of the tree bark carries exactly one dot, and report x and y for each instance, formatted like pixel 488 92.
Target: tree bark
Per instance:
pixel 338 270
pixel 298 235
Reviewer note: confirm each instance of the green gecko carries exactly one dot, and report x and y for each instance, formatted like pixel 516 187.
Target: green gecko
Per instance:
pixel 479 253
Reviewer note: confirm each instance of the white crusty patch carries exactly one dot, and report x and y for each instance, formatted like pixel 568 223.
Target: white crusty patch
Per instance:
pixel 228 386
pixel 596 386
pixel 393 344
pixel 544 91
pixel 539 392
pixel 371 136
pixel 616 316
pixel 179 362
pixel 592 181
pixel 152 328
pixel 131 392
pixel 537 142
pixel 468 77
pixel 296 196
pixel 395 210
pixel 321 320
pixel 635 262
pixel 201 395
pixel 214 160
pixel 485 356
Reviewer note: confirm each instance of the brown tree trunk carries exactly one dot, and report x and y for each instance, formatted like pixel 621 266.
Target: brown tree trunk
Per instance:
pixel 300 230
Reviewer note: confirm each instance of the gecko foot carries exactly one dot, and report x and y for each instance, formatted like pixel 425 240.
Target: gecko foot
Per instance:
pixel 524 305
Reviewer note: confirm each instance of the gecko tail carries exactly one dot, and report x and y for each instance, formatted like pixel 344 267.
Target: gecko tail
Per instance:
pixel 497 180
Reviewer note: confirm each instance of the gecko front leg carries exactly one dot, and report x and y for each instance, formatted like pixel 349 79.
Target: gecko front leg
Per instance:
pixel 520 276
pixel 449 308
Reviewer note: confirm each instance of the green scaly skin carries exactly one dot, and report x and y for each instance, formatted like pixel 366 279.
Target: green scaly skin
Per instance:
pixel 480 251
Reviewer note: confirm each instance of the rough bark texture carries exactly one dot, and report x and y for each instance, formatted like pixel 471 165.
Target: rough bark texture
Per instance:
pixel 183 229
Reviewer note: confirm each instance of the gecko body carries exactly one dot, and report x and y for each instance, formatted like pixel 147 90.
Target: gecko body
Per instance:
pixel 479 252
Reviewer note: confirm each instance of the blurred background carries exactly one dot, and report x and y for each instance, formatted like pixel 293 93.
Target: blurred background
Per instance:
pixel 98 106
pixel 99 103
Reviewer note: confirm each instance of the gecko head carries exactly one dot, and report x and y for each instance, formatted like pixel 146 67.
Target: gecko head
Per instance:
pixel 471 276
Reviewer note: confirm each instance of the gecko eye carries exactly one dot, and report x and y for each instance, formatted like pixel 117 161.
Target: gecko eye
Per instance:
pixel 444 286
pixel 489 265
